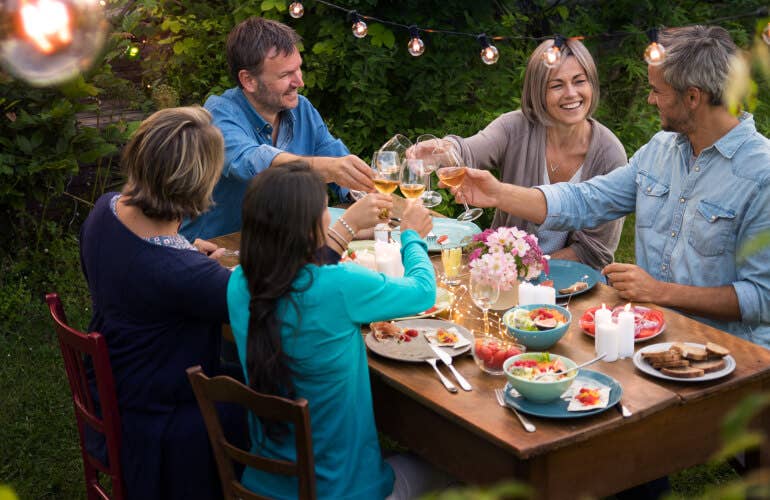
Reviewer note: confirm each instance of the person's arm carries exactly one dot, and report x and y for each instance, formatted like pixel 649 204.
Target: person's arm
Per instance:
pixel 636 285
pixel 371 296
pixel 486 149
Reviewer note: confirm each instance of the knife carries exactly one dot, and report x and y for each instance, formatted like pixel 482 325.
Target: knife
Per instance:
pixel 447 359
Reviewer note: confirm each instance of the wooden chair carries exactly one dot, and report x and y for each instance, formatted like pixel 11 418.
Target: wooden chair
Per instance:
pixel 228 390
pixel 75 348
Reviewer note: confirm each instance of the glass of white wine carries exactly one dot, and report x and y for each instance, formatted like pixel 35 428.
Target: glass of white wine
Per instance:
pixel 484 293
pixel 412 178
pixel 387 174
pixel 451 172
pixel 428 148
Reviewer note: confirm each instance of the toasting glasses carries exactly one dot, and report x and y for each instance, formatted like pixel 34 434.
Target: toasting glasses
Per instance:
pixel 428 148
pixel 451 171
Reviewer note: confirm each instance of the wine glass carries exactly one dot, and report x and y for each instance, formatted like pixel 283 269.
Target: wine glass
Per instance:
pixel 412 177
pixel 386 174
pixel 397 144
pixel 427 148
pixel 451 172
pixel 484 293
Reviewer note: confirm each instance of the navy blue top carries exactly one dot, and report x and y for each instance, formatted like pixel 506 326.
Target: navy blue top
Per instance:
pixel 161 311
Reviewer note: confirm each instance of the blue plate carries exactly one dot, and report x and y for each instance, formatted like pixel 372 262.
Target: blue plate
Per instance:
pixel 566 272
pixel 459 233
pixel 558 408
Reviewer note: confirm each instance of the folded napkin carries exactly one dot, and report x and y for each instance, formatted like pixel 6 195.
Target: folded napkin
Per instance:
pixel 586 394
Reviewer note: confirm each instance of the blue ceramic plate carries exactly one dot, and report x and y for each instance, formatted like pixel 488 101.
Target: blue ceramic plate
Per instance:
pixel 558 408
pixel 566 272
pixel 459 233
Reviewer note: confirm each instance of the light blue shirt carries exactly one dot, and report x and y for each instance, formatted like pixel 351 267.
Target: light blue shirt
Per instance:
pixel 249 150
pixel 690 220
pixel 329 368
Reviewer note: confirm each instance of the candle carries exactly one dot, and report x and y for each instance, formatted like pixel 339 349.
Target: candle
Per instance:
pixel 388 259
pixel 607 340
pixel 366 259
pixel 626 332
pixel 545 294
pixel 602 315
pixel 526 293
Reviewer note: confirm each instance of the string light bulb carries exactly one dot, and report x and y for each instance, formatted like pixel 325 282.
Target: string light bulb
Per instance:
pixel 655 52
pixel 48 42
pixel 489 53
pixel 296 10
pixel 766 34
pixel 359 26
pixel 552 56
pixel 415 46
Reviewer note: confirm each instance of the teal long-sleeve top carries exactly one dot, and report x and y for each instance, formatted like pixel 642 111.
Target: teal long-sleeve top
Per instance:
pixel 328 361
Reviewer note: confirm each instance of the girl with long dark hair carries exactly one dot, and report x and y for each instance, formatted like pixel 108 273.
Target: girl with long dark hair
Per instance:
pixel 297 326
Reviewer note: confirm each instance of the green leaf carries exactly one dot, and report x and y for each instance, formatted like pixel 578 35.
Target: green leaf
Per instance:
pixel 380 36
pixel 755 245
pixel 563 12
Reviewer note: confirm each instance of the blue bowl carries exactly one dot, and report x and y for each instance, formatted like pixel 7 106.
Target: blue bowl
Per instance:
pixel 540 339
pixel 540 391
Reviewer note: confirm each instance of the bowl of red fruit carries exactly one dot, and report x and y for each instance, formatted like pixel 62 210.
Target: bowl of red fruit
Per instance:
pixel 490 352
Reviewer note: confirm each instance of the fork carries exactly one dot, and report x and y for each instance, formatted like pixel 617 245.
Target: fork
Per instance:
pixel 431 238
pixel 500 396
pixel 584 279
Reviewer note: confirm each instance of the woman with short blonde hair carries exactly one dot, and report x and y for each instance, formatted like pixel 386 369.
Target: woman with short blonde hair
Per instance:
pixel 160 303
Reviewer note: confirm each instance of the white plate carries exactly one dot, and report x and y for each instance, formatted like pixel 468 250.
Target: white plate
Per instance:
pixel 663 346
pixel 417 349
pixel 443 301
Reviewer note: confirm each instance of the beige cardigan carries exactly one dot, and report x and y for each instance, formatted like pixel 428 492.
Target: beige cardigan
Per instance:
pixel 516 148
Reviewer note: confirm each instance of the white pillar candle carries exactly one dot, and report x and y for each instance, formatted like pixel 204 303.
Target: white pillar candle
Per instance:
pixel 626 331
pixel 607 340
pixel 602 315
pixel 366 259
pixel 545 294
pixel 388 259
pixel 526 293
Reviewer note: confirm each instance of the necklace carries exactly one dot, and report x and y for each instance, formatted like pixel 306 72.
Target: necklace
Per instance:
pixel 554 167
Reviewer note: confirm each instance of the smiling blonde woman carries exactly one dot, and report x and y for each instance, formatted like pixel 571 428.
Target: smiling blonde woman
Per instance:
pixel 553 138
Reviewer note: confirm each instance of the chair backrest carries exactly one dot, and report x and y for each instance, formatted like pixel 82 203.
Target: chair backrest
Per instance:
pixel 103 418
pixel 228 390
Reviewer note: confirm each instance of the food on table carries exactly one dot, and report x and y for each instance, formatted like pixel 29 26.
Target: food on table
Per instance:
pixel 542 318
pixel 547 283
pixel 490 353
pixel 573 288
pixel 588 397
pixel 441 239
pixel 385 330
pixel 445 337
pixel 647 322
pixel 528 369
pixel 686 361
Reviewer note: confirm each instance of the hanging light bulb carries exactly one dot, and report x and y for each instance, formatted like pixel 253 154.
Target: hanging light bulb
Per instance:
pixel 296 10
pixel 489 53
pixel 655 52
pixel 766 34
pixel 47 42
pixel 552 56
pixel 133 51
pixel 416 46
pixel 359 26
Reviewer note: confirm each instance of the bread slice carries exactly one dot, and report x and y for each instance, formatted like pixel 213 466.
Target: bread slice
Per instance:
pixel 685 372
pixel 677 363
pixel 716 350
pixel 712 365
pixel 690 352
pixel 575 287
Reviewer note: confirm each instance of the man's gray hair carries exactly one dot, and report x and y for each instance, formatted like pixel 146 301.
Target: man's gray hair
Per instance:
pixel 698 56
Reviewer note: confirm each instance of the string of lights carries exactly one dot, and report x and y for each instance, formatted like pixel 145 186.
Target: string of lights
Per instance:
pixel 654 54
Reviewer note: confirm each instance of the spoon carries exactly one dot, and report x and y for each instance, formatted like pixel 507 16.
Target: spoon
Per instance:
pixel 597 358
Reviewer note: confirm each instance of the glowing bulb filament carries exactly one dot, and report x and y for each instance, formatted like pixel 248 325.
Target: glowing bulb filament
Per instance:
pixel 47 25
pixel 552 56
pixel 296 10
pixel 654 54
pixel 360 29
pixel 416 46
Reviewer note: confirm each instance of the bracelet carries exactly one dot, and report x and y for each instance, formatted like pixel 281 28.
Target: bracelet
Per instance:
pixel 335 241
pixel 337 237
pixel 347 226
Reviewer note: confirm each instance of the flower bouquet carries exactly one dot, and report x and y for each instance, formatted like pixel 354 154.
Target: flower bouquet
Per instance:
pixel 506 255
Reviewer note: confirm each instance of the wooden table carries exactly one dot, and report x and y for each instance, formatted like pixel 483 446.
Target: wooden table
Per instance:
pixel 674 424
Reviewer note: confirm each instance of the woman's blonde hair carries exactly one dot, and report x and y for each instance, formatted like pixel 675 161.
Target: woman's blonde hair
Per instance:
pixel 173 162
pixel 533 103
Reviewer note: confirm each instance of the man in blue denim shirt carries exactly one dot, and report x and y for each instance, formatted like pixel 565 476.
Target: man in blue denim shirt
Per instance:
pixel 266 123
pixel 699 189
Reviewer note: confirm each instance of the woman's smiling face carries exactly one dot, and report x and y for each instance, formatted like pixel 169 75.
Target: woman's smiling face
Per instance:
pixel 568 93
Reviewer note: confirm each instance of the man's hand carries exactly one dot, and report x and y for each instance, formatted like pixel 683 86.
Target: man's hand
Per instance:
pixel 347 171
pixel 480 189
pixel 632 282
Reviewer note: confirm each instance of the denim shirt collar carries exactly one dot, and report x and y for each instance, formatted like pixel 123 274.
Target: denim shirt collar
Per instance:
pixel 259 124
pixel 729 143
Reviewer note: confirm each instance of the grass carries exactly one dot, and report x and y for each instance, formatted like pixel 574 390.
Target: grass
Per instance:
pixel 40 449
